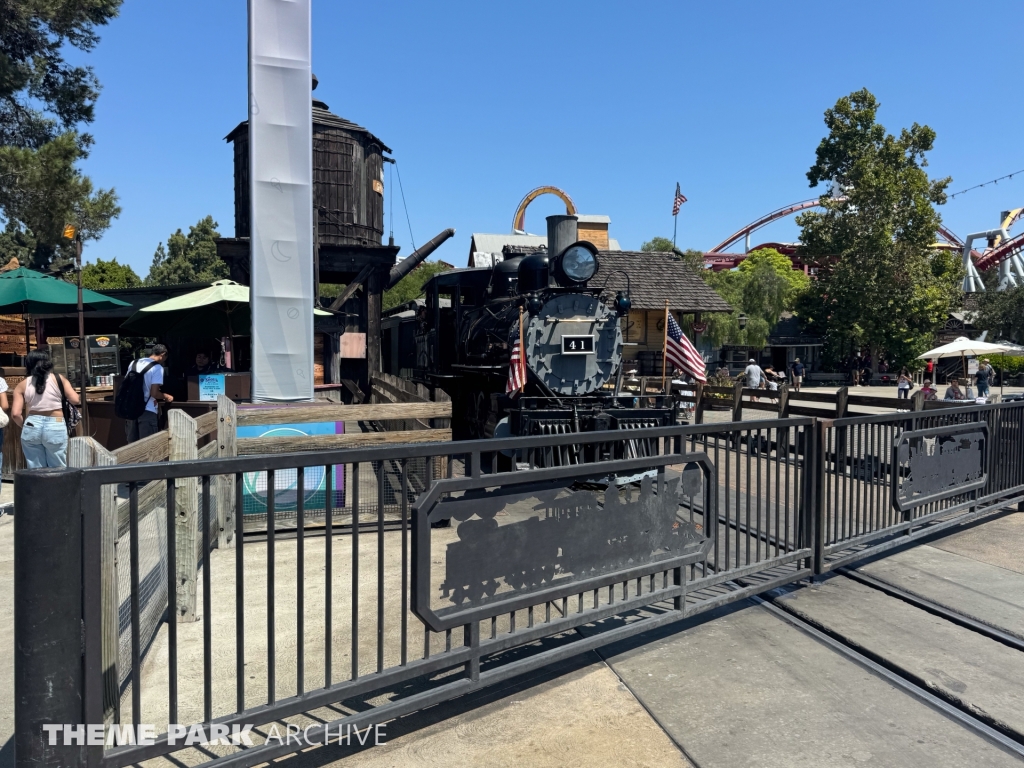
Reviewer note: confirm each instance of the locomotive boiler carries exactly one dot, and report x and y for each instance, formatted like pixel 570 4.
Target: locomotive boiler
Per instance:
pixel 571 338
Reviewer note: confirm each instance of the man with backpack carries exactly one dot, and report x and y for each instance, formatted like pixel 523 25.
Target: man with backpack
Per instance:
pixel 139 392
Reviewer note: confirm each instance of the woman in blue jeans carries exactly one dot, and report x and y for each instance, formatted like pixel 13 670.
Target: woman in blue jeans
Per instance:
pixel 38 410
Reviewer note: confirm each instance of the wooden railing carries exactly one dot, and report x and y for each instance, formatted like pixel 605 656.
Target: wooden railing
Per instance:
pixel 823 405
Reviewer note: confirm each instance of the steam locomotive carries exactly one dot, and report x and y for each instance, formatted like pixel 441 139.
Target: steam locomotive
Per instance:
pixel 571 340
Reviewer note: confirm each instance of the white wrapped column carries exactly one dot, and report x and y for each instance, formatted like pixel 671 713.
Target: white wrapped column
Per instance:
pixel 281 195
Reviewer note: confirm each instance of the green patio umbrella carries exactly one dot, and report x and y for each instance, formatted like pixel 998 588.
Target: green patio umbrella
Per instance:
pixel 25 291
pixel 220 310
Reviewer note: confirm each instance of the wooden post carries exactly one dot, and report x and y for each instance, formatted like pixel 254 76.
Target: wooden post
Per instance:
pixel 737 401
pixel 664 352
pixel 842 395
pixel 374 289
pixel 698 407
pixel 332 351
pixel 917 401
pixel 182 428
pixel 783 400
pixel 227 445
pixel 86 452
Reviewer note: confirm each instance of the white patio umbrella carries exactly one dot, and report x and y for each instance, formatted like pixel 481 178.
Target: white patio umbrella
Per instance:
pixel 963 346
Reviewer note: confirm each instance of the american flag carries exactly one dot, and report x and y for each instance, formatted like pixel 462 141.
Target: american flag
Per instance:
pixel 681 353
pixel 678 202
pixel 516 371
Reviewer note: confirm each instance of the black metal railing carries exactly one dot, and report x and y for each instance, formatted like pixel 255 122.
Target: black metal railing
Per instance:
pixel 389 579
pixel 863 503
pixel 324 608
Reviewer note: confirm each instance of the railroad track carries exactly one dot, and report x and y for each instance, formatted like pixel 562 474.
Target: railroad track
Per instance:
pixel 955 710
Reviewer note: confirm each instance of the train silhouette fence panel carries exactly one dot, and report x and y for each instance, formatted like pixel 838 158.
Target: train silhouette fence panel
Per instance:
pixel 268 429
pixel 482 575
pixel 885 480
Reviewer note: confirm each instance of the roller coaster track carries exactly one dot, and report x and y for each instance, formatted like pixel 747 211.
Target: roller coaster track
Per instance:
pixel 983 259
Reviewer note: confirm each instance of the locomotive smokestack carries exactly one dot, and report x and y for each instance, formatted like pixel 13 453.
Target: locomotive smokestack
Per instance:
pixel 562 232
pixel 404 267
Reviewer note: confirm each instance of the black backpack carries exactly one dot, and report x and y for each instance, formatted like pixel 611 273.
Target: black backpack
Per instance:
pixel 132 396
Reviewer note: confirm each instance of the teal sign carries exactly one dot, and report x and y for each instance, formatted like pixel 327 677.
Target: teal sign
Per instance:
pixel 210 386
pixel 255 486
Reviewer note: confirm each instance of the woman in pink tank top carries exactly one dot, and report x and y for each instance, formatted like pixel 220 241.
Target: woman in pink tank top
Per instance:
pixel 38 410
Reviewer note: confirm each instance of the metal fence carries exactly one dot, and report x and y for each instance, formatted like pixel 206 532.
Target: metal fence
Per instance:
pixel 488 559
pixel 875 489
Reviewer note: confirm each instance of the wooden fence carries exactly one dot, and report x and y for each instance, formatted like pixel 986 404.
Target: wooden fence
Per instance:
pixel 788 402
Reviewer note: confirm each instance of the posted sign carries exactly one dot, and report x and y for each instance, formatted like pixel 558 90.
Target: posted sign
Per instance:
pixel 210 386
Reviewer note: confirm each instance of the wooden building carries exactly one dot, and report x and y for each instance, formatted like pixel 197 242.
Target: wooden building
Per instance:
pixel 654 278
pixel 348 200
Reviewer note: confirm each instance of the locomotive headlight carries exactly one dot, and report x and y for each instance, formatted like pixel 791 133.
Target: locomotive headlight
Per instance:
pixel 579 263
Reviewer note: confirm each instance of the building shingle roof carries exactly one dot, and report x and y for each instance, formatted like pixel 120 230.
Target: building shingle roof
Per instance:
pixel 655 277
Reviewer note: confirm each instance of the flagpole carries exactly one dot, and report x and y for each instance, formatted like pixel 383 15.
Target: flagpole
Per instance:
pixel 664 350
pixel 522 353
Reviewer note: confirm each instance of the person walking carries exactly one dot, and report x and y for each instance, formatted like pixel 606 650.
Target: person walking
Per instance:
pixel 754 374
pixel 152 371
pixel 798 374
pixel 984 378
pixel 38 410
pixel 904 384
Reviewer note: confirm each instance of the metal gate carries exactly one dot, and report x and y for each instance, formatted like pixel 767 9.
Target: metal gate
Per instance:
pixel 365 611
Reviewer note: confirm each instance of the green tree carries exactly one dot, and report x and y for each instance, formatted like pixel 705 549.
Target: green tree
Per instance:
pixel 657 245
pixel 190 258
pixel 109 274
pixel 1002 313
pixel 879 282
pixel 691 256
pixel 763 287
pixel 44 191
pixel 411 286
pixel 41 94
pixel 43 101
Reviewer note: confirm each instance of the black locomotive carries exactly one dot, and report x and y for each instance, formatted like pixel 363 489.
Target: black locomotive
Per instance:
pixel 571 338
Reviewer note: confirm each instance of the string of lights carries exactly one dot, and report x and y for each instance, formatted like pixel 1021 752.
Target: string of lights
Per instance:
pixel 992 181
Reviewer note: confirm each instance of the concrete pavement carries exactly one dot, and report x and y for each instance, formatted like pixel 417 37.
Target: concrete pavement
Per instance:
pixel 960 665
pixel 976 589
pixel 748 689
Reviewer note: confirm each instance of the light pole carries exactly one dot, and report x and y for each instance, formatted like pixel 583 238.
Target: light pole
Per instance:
pixel 81 334
pixel 73 233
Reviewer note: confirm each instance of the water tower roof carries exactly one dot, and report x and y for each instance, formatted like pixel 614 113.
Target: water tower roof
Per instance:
pixel 322 117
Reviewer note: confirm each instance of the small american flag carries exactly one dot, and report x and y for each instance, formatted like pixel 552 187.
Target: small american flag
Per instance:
pixel 679 200
pixel 681 353
pixel 516 371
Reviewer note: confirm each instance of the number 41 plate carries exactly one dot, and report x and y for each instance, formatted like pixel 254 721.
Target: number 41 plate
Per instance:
pixel 577 345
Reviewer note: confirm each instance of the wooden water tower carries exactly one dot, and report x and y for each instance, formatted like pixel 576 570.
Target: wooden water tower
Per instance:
pixel 348 197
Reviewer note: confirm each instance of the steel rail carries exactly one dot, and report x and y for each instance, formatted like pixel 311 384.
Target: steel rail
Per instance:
pixel 895 677
pixel 943 612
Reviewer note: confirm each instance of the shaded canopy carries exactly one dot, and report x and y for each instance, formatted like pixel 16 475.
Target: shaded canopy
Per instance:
pixel 222 309
pixel 23 290
pixel 966 347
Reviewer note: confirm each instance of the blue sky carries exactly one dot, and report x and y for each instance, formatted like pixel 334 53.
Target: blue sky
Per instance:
pixel 613 102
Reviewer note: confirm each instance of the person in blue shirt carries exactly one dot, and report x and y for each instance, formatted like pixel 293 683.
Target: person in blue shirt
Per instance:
pixel 798 374
pixel 153 378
